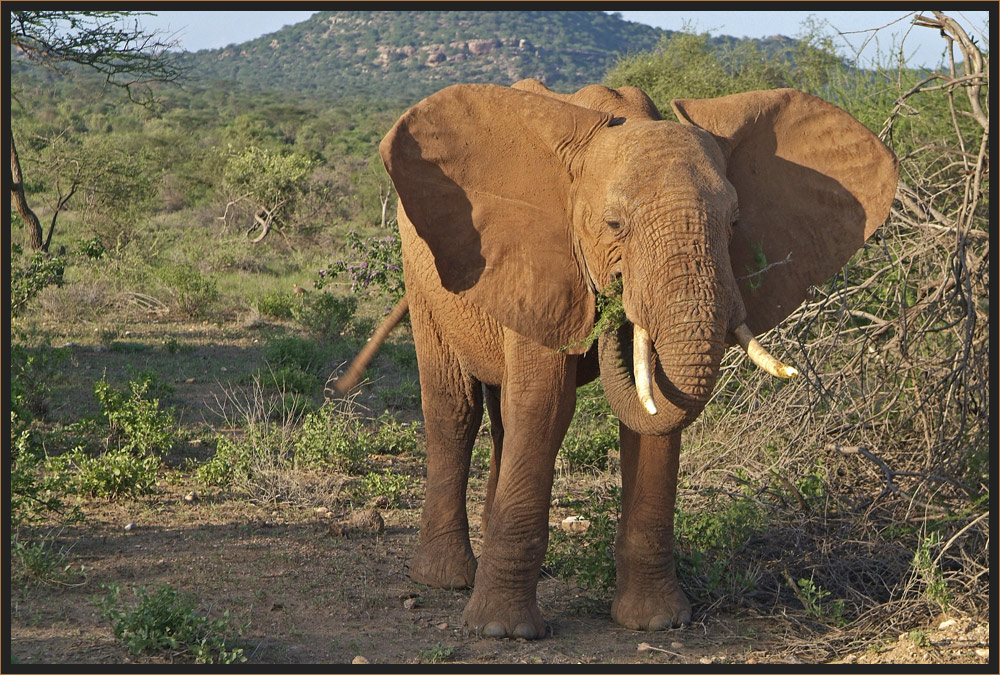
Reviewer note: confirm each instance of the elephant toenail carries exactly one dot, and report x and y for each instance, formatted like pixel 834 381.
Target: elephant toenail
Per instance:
pixel 494 629
pixel 525 631
pixel 660 622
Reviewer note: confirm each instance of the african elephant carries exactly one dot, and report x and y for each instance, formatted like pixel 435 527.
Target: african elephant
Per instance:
pixel 517 207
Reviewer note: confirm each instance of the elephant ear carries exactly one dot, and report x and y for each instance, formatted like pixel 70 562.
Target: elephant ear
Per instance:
pixel 483 174
pixel 813 184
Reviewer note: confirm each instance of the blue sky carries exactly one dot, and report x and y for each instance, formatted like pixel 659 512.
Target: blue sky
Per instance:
pixel 196 30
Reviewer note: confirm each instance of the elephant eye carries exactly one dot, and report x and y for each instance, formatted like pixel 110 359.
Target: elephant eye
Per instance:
pixel 614 225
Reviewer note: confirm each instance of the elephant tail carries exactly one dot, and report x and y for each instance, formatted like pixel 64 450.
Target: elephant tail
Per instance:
pixel 349 379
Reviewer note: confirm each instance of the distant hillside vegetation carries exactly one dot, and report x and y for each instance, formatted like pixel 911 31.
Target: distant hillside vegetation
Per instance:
pixel 406 55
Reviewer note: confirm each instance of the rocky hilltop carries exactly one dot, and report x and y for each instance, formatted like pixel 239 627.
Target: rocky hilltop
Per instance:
pixel 406 55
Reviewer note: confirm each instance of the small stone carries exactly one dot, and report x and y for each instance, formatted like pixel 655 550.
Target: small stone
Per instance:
pixel 575 524
pixel 191 497
pixel 983 654
pixel 190 380
pixel 359 659
pixel 443 625
pixel 706 660
pixel 412 603
pixel 320 510
pixel 677 645
pixel 644 647
pixel 369 520
pixel 381 501
pixel 129 526
pixel 949 623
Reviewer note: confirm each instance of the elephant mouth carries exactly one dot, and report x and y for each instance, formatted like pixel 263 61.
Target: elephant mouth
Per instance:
pixel 629 357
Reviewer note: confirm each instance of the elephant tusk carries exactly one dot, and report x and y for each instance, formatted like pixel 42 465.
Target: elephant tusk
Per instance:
pixel 759 355
pixel 641 353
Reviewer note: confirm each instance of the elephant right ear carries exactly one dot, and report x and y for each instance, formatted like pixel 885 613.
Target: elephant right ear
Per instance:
pixel 483 173
pixel 813 184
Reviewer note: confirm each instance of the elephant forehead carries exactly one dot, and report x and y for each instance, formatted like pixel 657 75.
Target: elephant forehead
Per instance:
pixel 667 156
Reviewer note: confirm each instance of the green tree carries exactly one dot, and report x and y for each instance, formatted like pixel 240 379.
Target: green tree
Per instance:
pixel 112 43
pixel 270 182
pixel 686 65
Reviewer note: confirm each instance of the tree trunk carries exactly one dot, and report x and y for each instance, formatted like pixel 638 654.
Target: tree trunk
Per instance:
pixel 21 204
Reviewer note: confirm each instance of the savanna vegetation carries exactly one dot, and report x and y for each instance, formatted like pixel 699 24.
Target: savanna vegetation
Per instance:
pixel 207 257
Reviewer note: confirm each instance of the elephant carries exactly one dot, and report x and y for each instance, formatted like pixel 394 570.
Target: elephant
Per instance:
pixel 518 207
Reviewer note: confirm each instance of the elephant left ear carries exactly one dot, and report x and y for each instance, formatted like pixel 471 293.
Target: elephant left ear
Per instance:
pixel 813 184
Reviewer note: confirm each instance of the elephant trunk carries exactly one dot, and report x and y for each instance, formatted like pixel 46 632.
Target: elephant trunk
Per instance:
pixel 656 387
pixel 653 401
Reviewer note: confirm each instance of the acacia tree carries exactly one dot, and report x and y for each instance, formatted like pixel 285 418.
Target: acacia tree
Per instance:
pixel 111 43
pixel 270 182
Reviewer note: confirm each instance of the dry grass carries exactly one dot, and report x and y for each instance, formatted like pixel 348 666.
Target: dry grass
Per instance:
pixel 873 466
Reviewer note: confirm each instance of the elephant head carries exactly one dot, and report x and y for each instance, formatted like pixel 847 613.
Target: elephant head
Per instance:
pixel 533 203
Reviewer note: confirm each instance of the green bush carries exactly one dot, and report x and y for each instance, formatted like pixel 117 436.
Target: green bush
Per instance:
pixel 709 539
pixel 292 365
pixel 291 380
pixel 36 497
pixel 137 435
pixel 35 493
pixel 165 620
pixel 593 434
pixel 588 557
pixel 325 315
pixel 277 304
pixel 296 352
pixel 345 442
pixel 33 370
pixel 117 473
pixel 135 422
pixel 192 291
pixel 27 279
pixel 686 65
pixel 390 485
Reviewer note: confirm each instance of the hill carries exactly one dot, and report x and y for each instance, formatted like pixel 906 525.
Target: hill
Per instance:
pixel 406 55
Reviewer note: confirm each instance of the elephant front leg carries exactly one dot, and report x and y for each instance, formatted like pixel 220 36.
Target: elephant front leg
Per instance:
pixel 647 594
pixel 453 408
pixel 537 400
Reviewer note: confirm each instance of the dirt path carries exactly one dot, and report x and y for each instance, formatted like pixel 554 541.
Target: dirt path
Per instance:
pixel 308 590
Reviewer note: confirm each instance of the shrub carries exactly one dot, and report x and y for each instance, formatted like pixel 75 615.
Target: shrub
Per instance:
pixel 33 370
pixel 193 293
pixel 135 422
pixel 377 266
pixel 165 620
pixel 293 352
pixel 29 278
pixel 113 474
pixel 593 434
pixel 138 434
pixel 276 304
pixel 325 315
pixel 36 496
pixel 390 485
pixel 588 557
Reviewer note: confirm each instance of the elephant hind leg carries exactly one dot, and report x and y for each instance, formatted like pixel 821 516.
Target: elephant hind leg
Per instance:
pixel 492 396
pixel 452 403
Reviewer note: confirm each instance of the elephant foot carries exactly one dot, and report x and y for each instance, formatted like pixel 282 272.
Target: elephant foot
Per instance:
pixel 498 617
pixel 441 566
pixel 651 608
